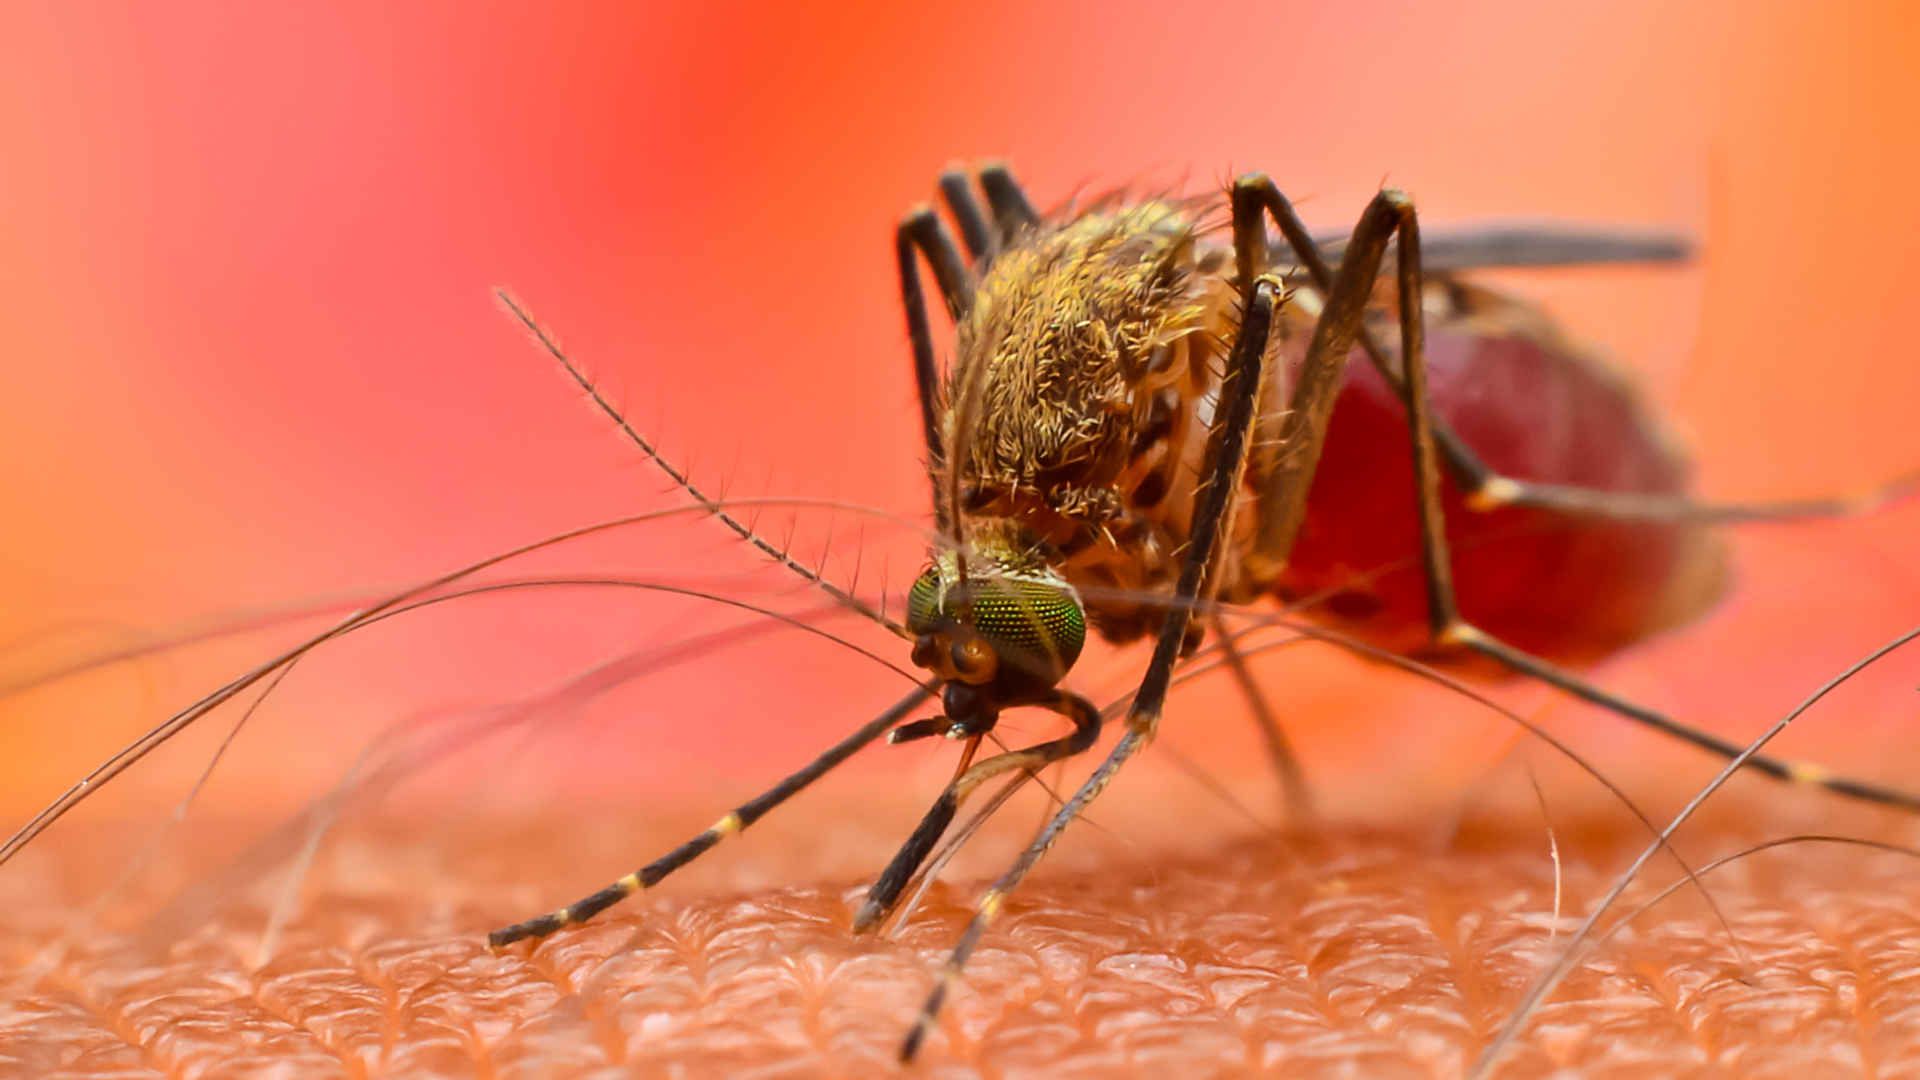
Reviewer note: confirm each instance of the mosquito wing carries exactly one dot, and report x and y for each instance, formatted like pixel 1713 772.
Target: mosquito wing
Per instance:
pixel 1498 245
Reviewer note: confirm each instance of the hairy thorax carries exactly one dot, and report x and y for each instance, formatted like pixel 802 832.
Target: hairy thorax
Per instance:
pixel 1092 353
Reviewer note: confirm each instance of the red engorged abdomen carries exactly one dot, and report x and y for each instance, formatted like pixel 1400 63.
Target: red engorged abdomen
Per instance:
pixel 1567 588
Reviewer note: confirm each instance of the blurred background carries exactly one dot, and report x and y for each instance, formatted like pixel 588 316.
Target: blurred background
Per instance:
pixel 252 362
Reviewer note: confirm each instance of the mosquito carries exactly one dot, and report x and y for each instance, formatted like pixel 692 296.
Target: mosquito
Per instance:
pixel 1135 433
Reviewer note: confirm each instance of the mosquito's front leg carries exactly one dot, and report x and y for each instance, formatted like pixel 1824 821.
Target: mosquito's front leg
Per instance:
pixel 742 816
pixel 922 232
pixel 1232 431
pixel 886 890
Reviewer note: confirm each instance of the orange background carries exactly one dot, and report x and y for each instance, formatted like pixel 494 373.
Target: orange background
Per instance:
pixel 251 357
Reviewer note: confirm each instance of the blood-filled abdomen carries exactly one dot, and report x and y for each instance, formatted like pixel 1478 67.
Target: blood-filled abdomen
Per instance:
pixel 1565 587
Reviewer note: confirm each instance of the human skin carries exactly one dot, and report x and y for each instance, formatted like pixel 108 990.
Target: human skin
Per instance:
pixel 1390 952
pixel 257 364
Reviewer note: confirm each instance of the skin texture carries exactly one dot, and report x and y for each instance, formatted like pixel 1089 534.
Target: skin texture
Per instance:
pixel 1393 953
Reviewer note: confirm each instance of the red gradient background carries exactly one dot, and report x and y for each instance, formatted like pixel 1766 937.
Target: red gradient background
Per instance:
pixel 251 356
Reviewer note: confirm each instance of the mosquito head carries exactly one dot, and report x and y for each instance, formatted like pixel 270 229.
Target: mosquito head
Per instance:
pixel 1010 631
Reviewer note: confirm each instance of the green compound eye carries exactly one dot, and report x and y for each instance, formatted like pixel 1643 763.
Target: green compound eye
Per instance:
pixel 1036 626
pixel 923 601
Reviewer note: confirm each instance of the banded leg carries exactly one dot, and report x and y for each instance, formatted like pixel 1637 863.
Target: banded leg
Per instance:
pixel 1443 611
pixel 1233 427
pixel 922 231
pixel 886 890
pixel 1487 489
pixel 744 815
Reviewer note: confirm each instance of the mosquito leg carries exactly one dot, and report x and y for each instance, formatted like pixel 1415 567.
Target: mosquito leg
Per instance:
pixel 1285 472
pixel 982 242
pixel 923 231
pixel 1487 489
pixel 1497 491
pixel 1233 426
pixel 1280 753
pixel 1465 635
pixel 1289 475
pixel 1011 209
pixel 1468 470
pixel 1450 629
pixel 744 815
pixel 888 886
